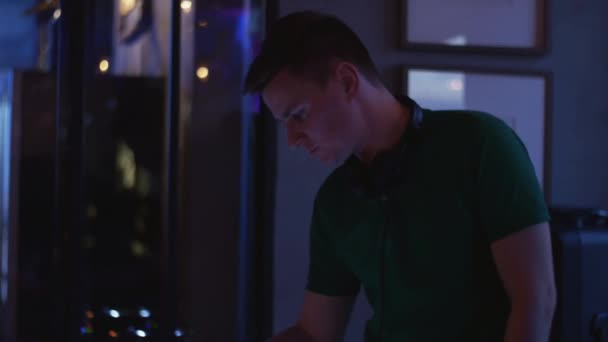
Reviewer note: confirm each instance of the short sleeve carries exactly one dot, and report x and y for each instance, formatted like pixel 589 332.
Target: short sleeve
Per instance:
pixel 327 273
pixel 511 198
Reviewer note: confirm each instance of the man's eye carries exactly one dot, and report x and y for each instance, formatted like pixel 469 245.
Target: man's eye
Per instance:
pixel 299 116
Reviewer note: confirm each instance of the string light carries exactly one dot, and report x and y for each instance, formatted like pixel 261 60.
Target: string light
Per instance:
pixel 104 65
pixel 202 73
pixel 144 313
pixel 114 313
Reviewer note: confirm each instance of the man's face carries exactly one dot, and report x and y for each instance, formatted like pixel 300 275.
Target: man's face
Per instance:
pixel 322 120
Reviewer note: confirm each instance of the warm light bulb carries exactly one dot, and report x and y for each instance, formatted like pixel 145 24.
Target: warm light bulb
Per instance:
pixel 186 6
pixel 126 6
pixel 202 73
pixel 104 65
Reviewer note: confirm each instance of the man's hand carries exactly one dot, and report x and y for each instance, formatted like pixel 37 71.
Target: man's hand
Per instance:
pixel 525 263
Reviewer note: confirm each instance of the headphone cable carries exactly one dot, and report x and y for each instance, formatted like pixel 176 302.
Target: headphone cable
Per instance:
pixel 385 202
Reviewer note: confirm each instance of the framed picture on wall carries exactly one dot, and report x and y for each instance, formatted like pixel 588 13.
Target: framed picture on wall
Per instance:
pixel 485 26
pixel 521 99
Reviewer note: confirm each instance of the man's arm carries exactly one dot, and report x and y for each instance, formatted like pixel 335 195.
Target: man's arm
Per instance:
pixel 525 263
pixel 323 319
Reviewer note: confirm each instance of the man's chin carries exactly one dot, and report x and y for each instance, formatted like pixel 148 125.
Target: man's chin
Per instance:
pixel 331 159
pixel 324 158
pixel 327 161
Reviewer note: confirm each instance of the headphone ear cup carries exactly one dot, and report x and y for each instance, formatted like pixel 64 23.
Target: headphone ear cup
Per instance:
pixel 386 170
pixel 377 178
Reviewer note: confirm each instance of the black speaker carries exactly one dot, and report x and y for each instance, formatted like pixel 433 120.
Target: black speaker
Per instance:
pixel 580 245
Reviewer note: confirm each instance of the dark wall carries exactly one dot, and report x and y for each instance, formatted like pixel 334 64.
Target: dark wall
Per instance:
pixel 578 58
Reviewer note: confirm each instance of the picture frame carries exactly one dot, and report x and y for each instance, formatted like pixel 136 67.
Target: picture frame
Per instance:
pixel 476 26
pixel 522 99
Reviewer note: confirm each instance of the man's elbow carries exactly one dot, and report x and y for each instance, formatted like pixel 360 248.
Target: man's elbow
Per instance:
pixel 541 303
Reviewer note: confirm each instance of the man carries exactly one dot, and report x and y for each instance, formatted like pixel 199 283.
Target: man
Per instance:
pixel 436 214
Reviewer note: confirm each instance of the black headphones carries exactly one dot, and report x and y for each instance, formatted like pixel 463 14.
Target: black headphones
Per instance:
pixel 387 170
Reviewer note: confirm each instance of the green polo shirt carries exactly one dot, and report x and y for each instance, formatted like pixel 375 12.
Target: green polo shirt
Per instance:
pixel 469 183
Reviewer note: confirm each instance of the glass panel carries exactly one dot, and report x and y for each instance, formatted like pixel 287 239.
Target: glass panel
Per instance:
pixel 219 298
pixel 37 308
pixel 102 278
pixel 121 240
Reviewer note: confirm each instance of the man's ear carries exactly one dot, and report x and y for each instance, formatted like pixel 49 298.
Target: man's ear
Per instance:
pixel 348 76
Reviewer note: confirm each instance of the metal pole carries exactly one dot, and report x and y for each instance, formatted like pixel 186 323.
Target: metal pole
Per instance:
pixel 245 330
pixel 265 203
pixel 171 195
pixel 69 175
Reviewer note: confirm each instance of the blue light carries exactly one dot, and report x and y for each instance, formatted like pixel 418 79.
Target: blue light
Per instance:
pixel 83 330
pixel 140 333
pixel 178 333
pixel 144 313
pixel 114 313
